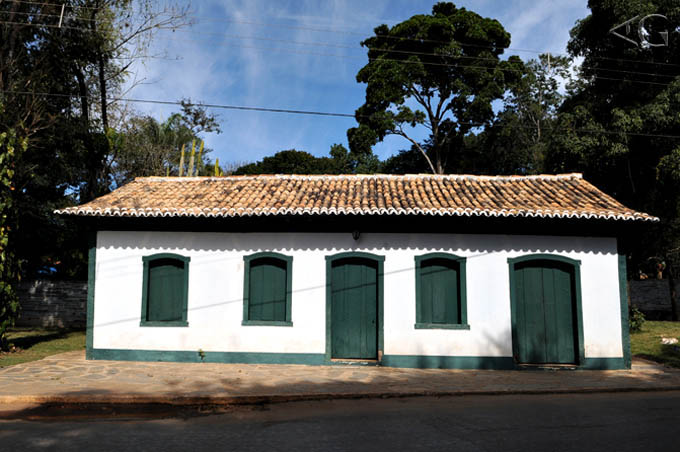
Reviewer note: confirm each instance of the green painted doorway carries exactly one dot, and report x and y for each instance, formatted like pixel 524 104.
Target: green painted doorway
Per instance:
pixel 354 291
pixel 545 311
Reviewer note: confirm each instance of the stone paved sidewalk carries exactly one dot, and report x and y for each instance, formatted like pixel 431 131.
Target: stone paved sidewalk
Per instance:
pixel 69 378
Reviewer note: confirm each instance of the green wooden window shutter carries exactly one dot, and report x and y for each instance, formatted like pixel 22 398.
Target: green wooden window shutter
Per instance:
pixel 440 291
pixel 267 289
pixel 165 290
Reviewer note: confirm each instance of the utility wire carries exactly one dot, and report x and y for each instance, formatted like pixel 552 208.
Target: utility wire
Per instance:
pixel 339 46
pixel 452 65
pixel 213 20
pixel 406 52
pixel 330 30
pixel 197 104
pixel 312 113
pixel 59 5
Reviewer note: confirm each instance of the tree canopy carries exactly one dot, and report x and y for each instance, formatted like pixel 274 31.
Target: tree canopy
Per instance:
pixel 620 125
pixel 293 161
pixel 440 72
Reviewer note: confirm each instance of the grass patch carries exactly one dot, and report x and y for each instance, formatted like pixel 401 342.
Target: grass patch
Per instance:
pixel 647 343
pixel 37 343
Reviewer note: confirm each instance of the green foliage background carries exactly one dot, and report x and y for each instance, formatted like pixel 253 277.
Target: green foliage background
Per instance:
pixel 11 148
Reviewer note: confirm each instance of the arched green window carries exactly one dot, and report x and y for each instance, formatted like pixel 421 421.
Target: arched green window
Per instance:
pixel 441 291
pixel 267 289
pixel 165 290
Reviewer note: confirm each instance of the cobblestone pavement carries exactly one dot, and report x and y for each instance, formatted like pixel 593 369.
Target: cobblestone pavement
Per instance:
pixel 68 377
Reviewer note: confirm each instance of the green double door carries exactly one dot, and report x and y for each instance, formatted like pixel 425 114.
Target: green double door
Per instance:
pixel 545 313
pixel 354 309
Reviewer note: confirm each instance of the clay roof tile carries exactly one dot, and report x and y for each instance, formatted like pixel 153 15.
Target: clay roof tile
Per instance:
pixel 554 196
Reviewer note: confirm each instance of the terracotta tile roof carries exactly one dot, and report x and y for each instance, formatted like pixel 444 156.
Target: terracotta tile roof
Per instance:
pixel 552 196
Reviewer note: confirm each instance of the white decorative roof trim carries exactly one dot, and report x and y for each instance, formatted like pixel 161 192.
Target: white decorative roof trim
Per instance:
pixel 350 177
pixel 248 212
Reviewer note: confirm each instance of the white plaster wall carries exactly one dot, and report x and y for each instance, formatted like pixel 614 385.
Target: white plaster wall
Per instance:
pixel 216 291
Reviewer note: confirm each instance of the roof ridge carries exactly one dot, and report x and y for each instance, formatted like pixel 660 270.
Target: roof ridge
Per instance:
pixel 361 176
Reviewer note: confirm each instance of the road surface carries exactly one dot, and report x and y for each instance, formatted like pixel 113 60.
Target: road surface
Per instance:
pixel 579 422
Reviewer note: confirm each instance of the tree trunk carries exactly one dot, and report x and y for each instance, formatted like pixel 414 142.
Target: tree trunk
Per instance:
pixel 102 91
pixel 670 269
pixel 84 98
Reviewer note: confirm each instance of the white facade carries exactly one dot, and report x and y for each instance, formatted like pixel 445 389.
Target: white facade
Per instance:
pixel 215 300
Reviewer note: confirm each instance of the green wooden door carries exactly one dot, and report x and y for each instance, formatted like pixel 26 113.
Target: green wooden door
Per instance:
pixel 546 328
pixel 354 309
pixel 165 290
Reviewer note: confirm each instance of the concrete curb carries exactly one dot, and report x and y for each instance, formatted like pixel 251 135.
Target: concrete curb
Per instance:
pixel 215 401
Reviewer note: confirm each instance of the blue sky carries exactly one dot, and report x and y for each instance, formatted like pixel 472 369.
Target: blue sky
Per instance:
pixel 304 55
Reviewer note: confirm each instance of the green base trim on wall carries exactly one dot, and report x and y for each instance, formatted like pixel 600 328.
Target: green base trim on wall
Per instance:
pixel 185 356
pixel 449 362
pixel 604 364
pixel 319 359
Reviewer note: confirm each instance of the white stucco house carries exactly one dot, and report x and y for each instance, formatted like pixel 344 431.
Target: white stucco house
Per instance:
pixel 448 271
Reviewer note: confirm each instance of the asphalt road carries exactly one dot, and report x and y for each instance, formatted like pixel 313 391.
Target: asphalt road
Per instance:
pixel 605 422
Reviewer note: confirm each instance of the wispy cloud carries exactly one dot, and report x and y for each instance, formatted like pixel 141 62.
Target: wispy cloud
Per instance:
pixel 217 67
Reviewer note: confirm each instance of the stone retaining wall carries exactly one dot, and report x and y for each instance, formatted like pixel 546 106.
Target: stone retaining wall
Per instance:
pixel 652 296
pixel 53 304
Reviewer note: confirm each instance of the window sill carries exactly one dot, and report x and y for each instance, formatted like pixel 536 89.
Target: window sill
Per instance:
pixel 175 323
pixel 442 326
pixel 266 323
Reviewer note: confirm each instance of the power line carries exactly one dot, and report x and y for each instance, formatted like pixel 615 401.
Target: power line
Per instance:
pixel 317 113
pixel 56 16
pixel 644 82
pixel 265 24
pixel 323 44
pixel 53 4
pixel 197 104
pixel 463 66
pixel 406 52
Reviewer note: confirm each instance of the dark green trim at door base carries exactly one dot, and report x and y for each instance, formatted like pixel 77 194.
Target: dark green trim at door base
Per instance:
pixel 91 276
pixel 318 359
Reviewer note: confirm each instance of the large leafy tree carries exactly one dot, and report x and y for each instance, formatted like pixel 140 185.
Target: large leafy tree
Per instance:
pixel 10 149
pixel 621 124
pixel 56 86
pixel 146 147
pixel 518 139
pixel 292 161
pixel 56 117
pixel 438 72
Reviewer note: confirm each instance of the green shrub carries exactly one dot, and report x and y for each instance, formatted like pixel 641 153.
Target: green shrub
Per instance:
pixel 635 319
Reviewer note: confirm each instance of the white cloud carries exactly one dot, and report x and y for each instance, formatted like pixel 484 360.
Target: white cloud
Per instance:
pixel 217 68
